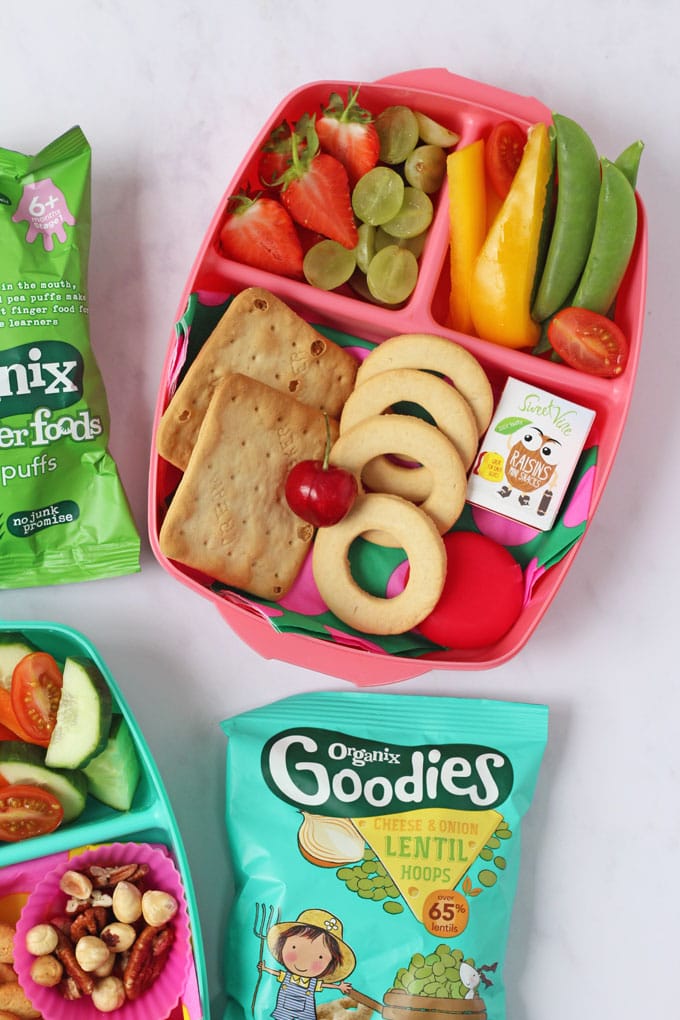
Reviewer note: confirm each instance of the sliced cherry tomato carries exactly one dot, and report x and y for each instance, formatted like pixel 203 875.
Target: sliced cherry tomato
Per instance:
pixel 6 733
pixel 503 154
pixel 36 692
pixel 8 718
pixel 589 341
pixel 26 811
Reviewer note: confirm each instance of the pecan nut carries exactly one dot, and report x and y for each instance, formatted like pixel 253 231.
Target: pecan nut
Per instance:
pixel 147 959
pixel 80 980
pixel 105 877
pixel 89 922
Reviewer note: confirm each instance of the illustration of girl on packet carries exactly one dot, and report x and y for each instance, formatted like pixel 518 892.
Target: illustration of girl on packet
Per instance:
pixel 313 957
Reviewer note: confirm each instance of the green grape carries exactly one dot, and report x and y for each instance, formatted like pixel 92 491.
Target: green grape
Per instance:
pixel 398 132
pixel 365 249
pixel 359 285
pixel 414 216
pixel 425 168
pixel 378 195
pixel 414 244
pixel 392 274
pixel 357 282
pixel 328 265
pixel 433 133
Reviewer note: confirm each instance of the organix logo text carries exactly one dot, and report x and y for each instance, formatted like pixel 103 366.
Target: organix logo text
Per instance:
pixel 343 776
pixel 46 374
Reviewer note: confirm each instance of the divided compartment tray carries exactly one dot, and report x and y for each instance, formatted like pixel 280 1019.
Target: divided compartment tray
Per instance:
pixel 471 109
pixel 150 820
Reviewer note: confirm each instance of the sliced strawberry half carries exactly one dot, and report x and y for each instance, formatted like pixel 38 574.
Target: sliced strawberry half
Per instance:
pixel 259 232
pixel 316 192
pixel 347 132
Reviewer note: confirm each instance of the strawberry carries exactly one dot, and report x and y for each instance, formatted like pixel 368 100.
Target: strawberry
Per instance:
pixel 349 134
pixel 315 191
pixel 259 232
pixel 275 154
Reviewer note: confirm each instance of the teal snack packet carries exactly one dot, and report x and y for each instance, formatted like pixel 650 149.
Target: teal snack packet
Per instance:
pixel 376 849
pixel 63 512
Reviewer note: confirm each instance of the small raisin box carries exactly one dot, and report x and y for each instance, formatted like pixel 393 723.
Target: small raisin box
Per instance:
pixel 528 454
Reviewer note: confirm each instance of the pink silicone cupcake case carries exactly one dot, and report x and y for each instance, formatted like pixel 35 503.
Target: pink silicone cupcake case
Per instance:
pixel 471 109
pixel 47 901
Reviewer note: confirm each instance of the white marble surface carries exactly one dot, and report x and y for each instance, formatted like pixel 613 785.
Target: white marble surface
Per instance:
pixel 170 96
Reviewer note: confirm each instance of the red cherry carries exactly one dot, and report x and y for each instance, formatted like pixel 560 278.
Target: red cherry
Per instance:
pixel 320 495
pixel 318 492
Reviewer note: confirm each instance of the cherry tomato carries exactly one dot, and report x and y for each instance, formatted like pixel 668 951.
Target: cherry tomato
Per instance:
pixel 482 596
pixel 6 733
pixel 36 691
pixel 319 493
pixel 503 154
pixel 26 811
pixel 589 341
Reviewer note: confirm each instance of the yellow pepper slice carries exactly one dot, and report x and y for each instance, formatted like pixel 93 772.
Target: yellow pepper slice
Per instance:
pixel 504 271
pixel 467 214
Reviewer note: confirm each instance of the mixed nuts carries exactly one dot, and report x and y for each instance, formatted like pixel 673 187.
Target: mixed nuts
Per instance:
pixel 111 942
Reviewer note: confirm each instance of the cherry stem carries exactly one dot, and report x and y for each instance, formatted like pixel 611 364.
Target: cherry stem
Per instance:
pixel 327 451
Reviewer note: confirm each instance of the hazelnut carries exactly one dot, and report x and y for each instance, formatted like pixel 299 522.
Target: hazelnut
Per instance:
pixel 107 966
pixel 158 907
pixel 118 936
pixel 76 885
pixel 108 994
pixel 41 939
pixel 127 902
pixel 91 952
pixel 46 971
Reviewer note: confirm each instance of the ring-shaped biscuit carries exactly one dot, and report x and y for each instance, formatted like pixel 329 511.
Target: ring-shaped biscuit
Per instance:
pixel 413 531
pixel 405 435
pixel 450 410
pixel 435 354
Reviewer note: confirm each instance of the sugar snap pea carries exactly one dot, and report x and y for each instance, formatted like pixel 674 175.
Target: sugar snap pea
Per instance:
pixel 578 187
pixel 628 161
pixel 613 241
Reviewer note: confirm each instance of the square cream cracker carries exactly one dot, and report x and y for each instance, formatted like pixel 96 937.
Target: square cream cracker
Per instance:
pixel 261 337
pixel 528 455
pixel 229 517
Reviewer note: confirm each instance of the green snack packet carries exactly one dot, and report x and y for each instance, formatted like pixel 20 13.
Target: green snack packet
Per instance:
pixel 376 848
pixel 63 512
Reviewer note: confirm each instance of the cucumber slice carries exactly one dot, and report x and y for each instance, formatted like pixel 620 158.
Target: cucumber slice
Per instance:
pixel 25 763
pixel 83 717
pixel 13 647
pixel 113 776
